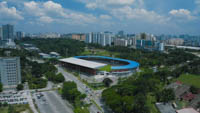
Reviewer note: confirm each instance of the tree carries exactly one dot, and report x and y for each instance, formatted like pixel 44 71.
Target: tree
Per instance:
pixel 70 92
pixel 107 82
pixel 20 87
pixel 59 78
pixel 194 90
pixel 1 87
pixel 166 95
pixel 50 76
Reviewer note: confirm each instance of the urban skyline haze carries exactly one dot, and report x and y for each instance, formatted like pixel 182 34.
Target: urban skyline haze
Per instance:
pixel 132 16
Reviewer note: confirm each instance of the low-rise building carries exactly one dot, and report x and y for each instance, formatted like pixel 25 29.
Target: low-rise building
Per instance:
pixel 7 44
pixel 179 89
pixel 44 55
pixel 54 55
pixel 165 108
pixel 187 110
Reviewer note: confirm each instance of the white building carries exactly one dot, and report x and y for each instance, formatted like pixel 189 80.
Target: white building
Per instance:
pixel 88 38
pixel 99 38
pixel 120 42
pixel 108 37
pixel 175 41
pixel 10 72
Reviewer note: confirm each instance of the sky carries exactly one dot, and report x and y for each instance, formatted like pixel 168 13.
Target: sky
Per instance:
pixel 82 16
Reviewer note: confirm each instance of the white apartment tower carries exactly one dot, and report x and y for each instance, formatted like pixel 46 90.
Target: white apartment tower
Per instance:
pixel 10 71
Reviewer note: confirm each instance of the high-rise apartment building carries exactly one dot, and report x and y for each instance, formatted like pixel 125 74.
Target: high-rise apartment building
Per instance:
pixel 20 35
pixel 99 38
pixel 88 38
pixel 8 31
pixel 10 72
pixel 120 42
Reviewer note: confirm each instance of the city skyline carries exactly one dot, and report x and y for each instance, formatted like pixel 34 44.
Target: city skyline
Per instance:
pixel 132 16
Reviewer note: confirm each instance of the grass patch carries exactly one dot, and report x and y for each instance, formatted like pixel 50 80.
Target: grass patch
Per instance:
pixel 17 108
pixel 106 68
pixel 60 91
pixel 81 110
pixel 151 100
pixel 4 109
pixel 86 52
pixel 190 79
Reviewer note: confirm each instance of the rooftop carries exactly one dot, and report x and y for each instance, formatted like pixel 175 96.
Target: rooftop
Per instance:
pixel 187 110
pixel 165 108
pixel 84 63
pixel 130 65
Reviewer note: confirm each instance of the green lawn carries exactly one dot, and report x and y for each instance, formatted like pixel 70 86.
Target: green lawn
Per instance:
pixel 190 79
pixel 106 68
pixel 4 109
pixel 151 103
pixel 18 108
pixel 81 110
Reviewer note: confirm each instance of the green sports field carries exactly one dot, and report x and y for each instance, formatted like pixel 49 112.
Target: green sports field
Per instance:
pixel 190 79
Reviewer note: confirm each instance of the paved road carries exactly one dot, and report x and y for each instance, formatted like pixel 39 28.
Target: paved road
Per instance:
pixel 51 102
pixel 83 88
pixel 30 101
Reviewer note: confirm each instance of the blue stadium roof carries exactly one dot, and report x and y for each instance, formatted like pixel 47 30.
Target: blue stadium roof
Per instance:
pixel 131 64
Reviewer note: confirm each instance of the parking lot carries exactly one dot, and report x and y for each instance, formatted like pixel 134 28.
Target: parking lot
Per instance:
pixel 51 102
pixel 14 97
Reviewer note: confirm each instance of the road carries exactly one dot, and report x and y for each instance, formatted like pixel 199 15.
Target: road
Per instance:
pixel 84 89
pixel 30 101
pixel 51 102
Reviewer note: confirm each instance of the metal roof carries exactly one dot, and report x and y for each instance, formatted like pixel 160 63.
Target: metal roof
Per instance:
pixel 165 108
pixel 84 63
pixel 131 64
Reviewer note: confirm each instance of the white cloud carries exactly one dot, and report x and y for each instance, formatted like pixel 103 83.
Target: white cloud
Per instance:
pixel 45 19
pixel 50 11
pixel 33 8
pixel 106 17
pixel 197 8
pixel 197 2
pixel 181 14
pixel 138 14
pixel 120 2
pixel 9 12
pixel 91 5
pixel 107 4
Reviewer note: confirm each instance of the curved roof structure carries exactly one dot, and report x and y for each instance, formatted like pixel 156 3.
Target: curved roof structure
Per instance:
pixel 131 64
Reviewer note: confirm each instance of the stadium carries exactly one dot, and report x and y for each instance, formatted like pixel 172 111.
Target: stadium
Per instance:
pixel 93 65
